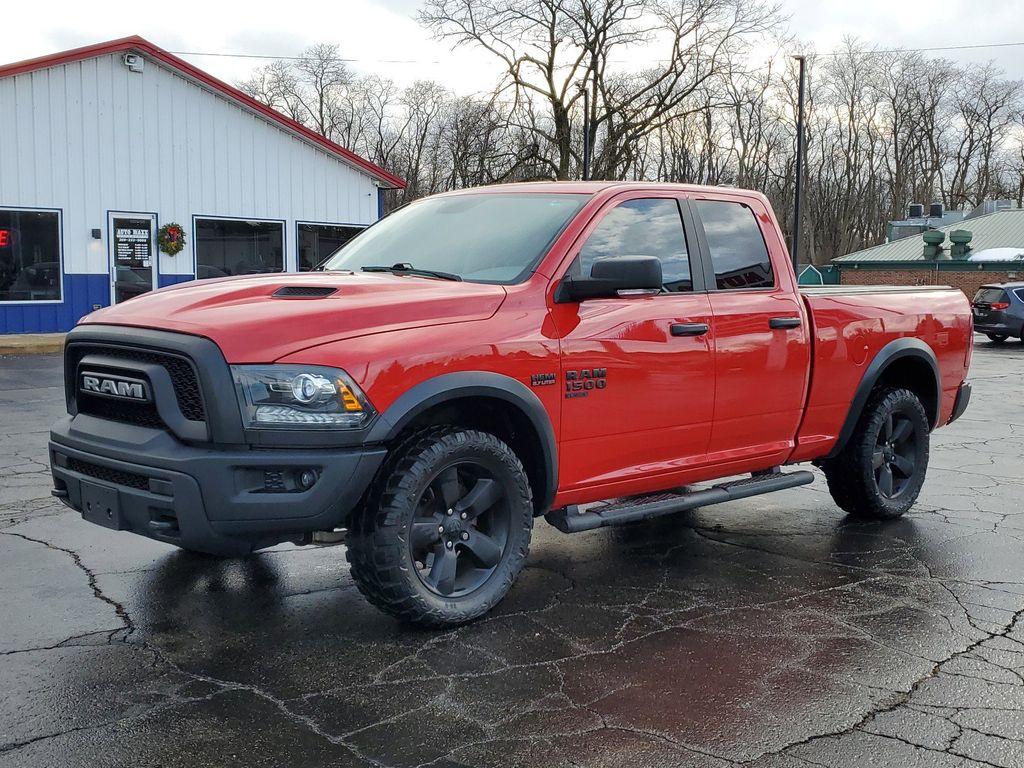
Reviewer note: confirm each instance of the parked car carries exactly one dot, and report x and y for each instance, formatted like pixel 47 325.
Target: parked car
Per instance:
pixel 999 311
pixel 585 352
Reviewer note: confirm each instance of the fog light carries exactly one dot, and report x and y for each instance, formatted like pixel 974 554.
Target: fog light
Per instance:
pixel 307 478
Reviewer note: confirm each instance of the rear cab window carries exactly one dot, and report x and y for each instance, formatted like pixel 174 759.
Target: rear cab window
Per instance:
pixel 641 227
pixel 736 246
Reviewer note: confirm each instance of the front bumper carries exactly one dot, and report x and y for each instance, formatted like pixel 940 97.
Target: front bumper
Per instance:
pixel 225 500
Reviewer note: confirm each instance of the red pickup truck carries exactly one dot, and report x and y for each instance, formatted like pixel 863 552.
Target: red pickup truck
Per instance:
pixel 587 352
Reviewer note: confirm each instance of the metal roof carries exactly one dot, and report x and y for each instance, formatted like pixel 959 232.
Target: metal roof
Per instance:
pixel 1002 229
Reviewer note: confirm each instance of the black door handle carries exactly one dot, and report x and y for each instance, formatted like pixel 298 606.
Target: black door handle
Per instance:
pixel 784 322
pixel 689 329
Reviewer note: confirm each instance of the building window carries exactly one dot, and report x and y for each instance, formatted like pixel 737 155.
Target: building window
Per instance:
pixel 318 241
pixel 238 247
pixel 738 252
pixel 29 255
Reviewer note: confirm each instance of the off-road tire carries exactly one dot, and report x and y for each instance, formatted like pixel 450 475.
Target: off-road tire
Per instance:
pixel 379 550
pixel 851 475
pixel 996 338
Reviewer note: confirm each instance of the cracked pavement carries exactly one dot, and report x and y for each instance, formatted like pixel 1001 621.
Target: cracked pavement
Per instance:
pixel 770 633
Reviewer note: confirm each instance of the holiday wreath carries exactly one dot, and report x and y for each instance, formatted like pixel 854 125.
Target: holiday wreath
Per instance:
pixel 171 238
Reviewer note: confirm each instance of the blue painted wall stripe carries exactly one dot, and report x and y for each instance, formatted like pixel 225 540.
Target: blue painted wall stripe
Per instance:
pixel 81 292
pixel 166 280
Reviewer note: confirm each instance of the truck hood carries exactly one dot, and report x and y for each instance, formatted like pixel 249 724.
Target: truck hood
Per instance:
pixel 252 325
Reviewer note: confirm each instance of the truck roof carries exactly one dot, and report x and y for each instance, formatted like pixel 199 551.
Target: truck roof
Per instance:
pixel 595 187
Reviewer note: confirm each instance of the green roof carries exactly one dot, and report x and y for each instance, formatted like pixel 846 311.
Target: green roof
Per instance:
pixel 1002 229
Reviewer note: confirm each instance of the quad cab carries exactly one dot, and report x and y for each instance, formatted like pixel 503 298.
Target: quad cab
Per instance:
pixel 482 358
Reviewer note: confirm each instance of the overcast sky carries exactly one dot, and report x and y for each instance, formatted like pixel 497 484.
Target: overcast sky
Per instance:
pixel 382 35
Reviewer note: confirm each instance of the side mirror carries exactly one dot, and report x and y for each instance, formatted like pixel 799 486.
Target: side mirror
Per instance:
pixel 612 277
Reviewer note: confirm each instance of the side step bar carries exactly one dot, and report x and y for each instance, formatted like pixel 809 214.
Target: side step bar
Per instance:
pixel 573 519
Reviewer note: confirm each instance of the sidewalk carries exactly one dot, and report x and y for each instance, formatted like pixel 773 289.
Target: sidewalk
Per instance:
pixel 31 343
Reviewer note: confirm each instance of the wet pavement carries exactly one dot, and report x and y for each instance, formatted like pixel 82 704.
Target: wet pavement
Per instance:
pixel 770 632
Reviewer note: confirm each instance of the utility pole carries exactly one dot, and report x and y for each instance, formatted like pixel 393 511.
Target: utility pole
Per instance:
pixel 799 188
pixel 585 174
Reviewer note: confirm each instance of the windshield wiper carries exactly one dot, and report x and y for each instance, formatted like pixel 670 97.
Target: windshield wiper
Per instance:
pixel 404 268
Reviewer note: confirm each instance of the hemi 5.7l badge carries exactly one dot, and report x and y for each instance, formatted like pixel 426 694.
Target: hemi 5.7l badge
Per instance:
pixel 119 387
pixel 580 383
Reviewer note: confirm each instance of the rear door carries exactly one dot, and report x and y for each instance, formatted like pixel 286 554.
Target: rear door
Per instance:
pixel 637 371
pixel 762 348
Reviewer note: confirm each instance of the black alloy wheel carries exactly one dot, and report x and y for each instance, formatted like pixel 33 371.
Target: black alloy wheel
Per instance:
pixel 895 457
pixel 880 471
pixel 460 530
pixel 445 528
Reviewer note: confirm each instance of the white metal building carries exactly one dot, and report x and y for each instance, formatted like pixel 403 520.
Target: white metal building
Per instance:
pixel 102 146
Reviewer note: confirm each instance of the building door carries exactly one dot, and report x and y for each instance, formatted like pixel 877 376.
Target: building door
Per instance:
pixel 133 255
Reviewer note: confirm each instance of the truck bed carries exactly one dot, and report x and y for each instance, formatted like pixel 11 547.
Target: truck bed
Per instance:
pixel 851 323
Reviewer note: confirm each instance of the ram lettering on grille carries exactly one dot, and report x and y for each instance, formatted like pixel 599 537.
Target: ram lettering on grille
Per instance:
pixel 128 389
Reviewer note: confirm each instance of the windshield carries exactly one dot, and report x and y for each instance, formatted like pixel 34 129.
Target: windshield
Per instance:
pixel 485 238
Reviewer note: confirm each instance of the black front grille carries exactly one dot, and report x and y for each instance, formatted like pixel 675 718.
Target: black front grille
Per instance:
pixel 183 378
pixel 115 476
pixel 140 414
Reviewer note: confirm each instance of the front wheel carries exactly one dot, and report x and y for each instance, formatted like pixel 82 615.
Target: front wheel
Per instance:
pixel 445 530
pixel 880 472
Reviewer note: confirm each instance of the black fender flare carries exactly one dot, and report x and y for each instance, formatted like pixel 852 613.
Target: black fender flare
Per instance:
pixel 898 349
pixel 452 386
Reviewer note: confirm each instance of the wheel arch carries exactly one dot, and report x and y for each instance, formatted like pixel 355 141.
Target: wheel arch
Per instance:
pixel 484 400
pixel 906 362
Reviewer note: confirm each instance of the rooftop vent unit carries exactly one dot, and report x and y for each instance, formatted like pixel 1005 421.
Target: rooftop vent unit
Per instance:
pixel 915 211
pixel 936 211
pixel 961 243
pixel 933 240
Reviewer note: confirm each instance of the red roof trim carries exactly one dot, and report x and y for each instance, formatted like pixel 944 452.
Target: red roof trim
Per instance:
pixel 143 46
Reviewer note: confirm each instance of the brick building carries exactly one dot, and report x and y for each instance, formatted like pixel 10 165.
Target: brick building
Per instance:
pixel 996 255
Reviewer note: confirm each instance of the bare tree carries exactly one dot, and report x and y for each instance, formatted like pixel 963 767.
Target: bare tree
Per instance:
pixel 553 49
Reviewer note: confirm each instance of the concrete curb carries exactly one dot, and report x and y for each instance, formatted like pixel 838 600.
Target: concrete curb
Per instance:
pixel 31 344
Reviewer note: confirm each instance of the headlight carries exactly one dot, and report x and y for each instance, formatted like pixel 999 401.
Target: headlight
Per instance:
pixel 299 397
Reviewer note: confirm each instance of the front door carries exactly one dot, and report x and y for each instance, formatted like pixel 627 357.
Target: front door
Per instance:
pixel 133 255
pixel 637 371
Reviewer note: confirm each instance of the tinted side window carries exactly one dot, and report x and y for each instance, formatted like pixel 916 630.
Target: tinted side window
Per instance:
pixel 738 252
pixel 651 227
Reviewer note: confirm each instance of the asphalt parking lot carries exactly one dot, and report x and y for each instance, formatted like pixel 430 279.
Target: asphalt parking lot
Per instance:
pixel 769 632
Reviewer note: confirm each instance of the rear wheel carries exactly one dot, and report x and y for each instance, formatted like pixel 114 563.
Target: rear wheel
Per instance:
pixel 997 338
pixel 880 472
pixel 446 528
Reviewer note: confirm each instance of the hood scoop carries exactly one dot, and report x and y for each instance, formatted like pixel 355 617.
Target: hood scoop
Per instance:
pixel 304 291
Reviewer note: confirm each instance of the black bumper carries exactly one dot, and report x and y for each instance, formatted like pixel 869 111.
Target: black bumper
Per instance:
pixel 963 399
pixel 210 498
pixel 999 329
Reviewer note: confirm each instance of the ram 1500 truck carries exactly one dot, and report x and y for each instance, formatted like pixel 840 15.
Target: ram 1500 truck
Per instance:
pixel 595 353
